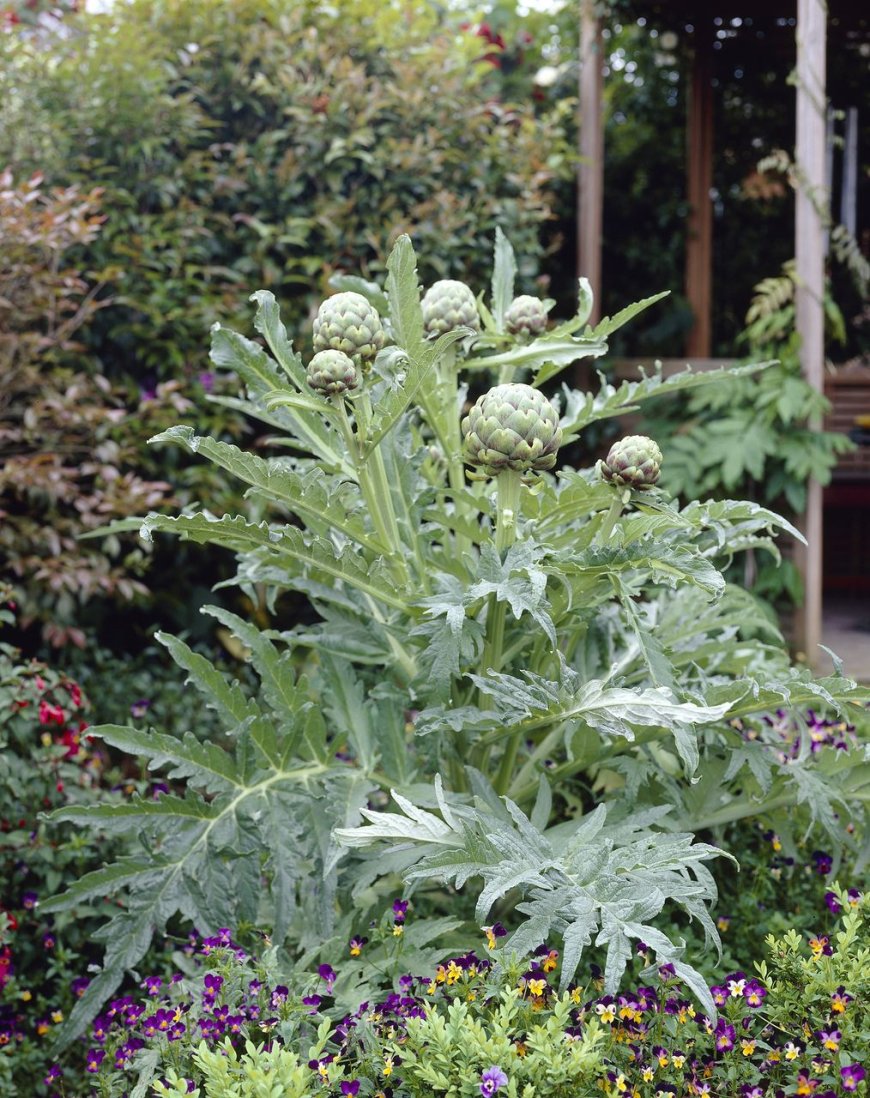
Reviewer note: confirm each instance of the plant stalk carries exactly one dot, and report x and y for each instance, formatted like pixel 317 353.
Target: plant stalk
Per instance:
pixel 610 519
pixel 375 487
pixel 508 508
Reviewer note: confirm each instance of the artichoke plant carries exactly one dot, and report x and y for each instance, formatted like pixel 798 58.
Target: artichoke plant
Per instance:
pixel 348 322
pixel 526 316
pixel 512 427
pixel 332 373
pixel 448 305
pixel 633 462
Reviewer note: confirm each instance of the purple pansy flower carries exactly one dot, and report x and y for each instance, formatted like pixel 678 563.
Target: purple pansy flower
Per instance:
pixel 851 1075
pixel 725 1036
pixel 754 993
pixel 491 1080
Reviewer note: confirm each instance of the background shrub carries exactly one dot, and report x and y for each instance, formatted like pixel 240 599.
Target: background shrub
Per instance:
pixel 270 144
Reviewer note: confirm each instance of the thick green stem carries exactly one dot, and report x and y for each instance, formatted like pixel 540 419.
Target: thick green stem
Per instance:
pixel 507 519
pixel 606 527
pixel 350 440
pixel 508 503
pixel 447 399
pixel 376 489
pixel 740 810
pixel 510 484
pixel 448 402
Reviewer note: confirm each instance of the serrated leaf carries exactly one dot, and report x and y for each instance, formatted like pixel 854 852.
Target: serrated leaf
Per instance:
pixel 592 879
pixel 312 496
pixel 392 406
pixel 267 321
pixel 231 351
pixel 581 409
pixel 547 356
pixel 609 325
pixel 504 271
pixel 403 293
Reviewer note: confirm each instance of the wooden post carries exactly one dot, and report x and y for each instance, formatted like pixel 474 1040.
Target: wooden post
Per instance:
pixel 699 236
pixel 590 172
pixel 811 205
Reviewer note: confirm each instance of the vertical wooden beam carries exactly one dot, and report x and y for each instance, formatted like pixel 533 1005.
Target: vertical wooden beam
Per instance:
pixel 811 205
pixel 699 156
pixel 590 172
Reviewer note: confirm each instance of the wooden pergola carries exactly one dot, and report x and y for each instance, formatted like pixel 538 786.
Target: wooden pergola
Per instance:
pixel 812 19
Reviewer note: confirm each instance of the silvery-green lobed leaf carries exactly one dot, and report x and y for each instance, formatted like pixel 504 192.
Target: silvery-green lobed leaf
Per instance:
pixel 589 881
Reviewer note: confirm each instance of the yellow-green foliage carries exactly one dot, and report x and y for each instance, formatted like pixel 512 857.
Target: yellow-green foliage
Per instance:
pixel 448 1054
pixel 805 982
pixel 258 1073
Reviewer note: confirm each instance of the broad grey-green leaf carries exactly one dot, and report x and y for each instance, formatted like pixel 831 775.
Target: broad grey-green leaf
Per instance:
pixel 313 496
pixel 403 293
pixel 267 321
pixel 581 409
pixel 504 271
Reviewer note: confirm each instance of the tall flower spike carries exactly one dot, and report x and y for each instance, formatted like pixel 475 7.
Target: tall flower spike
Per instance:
pixel 633 462
pixel 448 305
pixel 512 427
pixel 348 322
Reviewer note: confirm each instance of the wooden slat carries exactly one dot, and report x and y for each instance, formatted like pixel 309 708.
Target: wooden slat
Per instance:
pixel 590 170
pixel 699 228
pixel 810 151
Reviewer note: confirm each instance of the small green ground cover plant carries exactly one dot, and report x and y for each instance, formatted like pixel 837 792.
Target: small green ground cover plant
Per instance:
pixel 533 679
pixel 488 1021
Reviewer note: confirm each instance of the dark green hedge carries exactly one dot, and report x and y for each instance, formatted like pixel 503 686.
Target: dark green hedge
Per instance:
pixel 268 143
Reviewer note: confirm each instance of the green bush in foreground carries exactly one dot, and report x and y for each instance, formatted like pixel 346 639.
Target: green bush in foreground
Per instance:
pixel 535 681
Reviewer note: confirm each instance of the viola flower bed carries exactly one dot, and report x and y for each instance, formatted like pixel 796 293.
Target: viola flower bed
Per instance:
pixel 485 1022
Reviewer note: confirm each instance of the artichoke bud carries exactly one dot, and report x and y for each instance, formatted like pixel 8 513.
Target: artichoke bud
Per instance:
pixel 332 373
pixel 512 427
pixel 525 316
pixel 347 322
pixel 448 305
pixel 633 462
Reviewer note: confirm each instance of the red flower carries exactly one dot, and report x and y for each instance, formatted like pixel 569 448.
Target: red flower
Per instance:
pixel 50 713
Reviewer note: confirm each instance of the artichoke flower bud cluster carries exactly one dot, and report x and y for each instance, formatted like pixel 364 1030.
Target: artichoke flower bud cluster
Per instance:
pixel 332 373
pixel 347 322
pixel 525 316
pixel 447 305
pixel 512 427
pixel 633 462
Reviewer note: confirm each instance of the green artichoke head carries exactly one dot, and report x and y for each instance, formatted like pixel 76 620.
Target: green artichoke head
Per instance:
pixel 447 305
pixel 633 462
pixel 332 373
pixel 512 427
pixel 348 322
pixel 526 316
